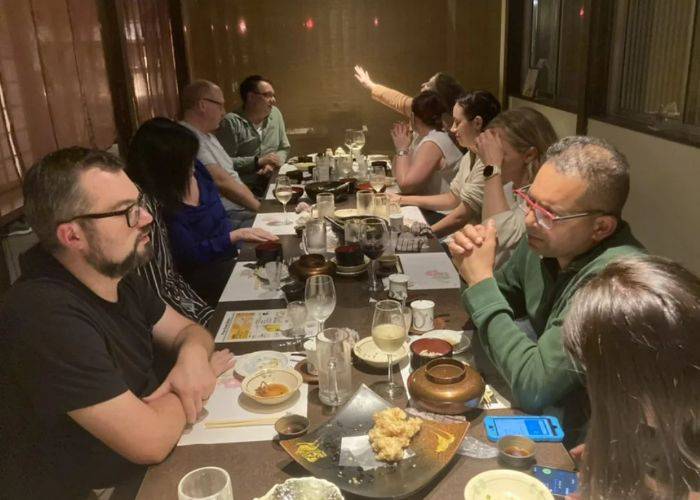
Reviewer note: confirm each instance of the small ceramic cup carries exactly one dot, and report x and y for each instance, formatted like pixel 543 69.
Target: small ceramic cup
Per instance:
pixel 423 312
pixel 311 356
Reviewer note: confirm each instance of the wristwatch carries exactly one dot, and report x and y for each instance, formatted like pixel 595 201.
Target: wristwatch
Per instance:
pixel 402 152
pixel 491 170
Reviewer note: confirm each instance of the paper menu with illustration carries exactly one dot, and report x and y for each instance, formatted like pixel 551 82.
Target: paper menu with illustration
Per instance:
pixel 429 271
pixel 245 326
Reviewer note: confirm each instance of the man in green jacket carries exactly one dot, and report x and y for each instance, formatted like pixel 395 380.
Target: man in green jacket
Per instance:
pixel 255 136
pixel 574 228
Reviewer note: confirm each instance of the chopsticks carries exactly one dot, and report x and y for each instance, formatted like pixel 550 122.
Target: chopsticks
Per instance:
pixel 222 424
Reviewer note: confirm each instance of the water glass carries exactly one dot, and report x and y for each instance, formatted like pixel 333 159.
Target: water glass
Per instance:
pixel 207 483
pixel 296 314
pixel 343 167
pixel 322 171
pixel 334 365
pixel 315 236
pixel 325 205
pixel 381 205
pixel 389 334
pixel 320 298
pixel 273 273
pixel 365 198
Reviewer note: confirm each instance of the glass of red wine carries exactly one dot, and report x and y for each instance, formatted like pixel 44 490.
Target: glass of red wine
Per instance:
pixel 374 238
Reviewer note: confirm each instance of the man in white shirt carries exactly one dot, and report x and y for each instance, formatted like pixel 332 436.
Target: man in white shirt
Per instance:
pixel 203 109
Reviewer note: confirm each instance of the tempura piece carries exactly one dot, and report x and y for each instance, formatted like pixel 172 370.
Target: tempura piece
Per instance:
pixel 392 432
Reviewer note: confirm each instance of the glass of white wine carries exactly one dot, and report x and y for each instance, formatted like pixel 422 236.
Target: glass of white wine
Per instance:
pixel 319 296
pixel 283 193
pixel 389 334
pixel 377 178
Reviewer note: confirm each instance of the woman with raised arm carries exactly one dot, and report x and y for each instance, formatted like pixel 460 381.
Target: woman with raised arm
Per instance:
pixel 471 114
pixel 634 330
pixel 446 86
pixel 426 163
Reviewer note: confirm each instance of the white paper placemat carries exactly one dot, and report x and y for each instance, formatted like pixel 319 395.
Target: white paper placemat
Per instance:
pixel 244 285
pixel 413 213
pixel 272 222
pixel 224 404
pixel 429 271
pixel 246 326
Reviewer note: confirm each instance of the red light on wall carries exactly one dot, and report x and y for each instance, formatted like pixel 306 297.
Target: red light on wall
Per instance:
pixel 242 26
pixel 375 22
pixel 581 12
pixel 309 24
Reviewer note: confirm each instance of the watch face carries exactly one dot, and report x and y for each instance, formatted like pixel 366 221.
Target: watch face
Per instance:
pixel 488 171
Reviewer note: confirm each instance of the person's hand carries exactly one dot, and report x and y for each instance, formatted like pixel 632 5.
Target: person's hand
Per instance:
pixel 363 77
pixel 490 148
pixel 220 361
pixel 266 171
pixel 401 135
pixel 473 250
pixel 577 454
pixel 394 198
pixel 191 379
pixel 255 235
pixel 270 159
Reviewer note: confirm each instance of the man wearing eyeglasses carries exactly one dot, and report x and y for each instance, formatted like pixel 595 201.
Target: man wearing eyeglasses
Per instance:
pixel 574 228
pixel 255 135
pixel 82 404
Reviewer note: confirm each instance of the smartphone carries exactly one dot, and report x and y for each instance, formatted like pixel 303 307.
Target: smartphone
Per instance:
pixel 542 428
pixel 560 482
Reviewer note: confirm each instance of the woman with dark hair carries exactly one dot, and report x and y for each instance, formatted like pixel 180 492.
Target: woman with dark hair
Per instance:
pixel 446 86
pixel 430 165
pixel 161 160
pixel 471 114
pixel 635 328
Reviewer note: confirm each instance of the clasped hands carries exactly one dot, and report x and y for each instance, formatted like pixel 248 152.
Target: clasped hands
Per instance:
pixel 473 250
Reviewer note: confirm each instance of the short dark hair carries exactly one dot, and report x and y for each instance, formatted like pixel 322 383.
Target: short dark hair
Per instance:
pixel 429 108
pixel 160 160
pixel 250 84
pixel 52 193
pixel 194 92
pixel 480 103
pixel 634 328
pixel 448 88
pixel 598 162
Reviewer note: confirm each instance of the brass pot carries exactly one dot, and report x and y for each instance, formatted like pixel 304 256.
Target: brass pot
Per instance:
pixel 446 386
pixel 311 265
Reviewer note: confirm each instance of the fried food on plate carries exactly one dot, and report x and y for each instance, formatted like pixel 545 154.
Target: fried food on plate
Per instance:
pixel 392 432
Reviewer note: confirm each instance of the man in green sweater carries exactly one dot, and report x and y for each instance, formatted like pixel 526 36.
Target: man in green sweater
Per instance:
pixel 574 228
pixel 255 136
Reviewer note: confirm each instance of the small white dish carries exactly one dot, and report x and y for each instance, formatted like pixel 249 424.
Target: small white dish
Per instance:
pixel 288 377
pixel 351 270
pixel 505 484
pixel 367 351
pixel 255 361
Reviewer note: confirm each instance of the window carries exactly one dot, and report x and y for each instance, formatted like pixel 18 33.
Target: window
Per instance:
pixel 655 66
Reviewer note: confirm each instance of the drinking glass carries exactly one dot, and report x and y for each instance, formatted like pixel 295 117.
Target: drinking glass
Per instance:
pixel 377 178
pixel 296 313
pixel 381 205
pixel 207 483
pixel 359 141
pixel 320 298
pixel 334 364
pixel 364 201
pixel 389 334
pixel 273 272
pixel 325 205
pixel 283 193
pixel 322 170
pixel 374 237
pixel 314 236
pixel 350 139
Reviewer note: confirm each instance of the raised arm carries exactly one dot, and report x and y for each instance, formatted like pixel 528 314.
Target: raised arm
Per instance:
pixel 389 97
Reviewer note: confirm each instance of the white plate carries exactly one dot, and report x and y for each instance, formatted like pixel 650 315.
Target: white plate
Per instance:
pixel 368 352
pixel 504 484
pixel 251 363
pixel 260 273
pixel 460 341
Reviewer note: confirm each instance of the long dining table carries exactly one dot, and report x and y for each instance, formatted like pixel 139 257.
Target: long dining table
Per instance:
pixel 255 467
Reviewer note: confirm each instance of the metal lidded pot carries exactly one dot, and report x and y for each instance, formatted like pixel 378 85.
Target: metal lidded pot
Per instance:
pixel 446 386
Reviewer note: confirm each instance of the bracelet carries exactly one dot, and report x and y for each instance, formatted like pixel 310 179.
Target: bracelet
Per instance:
pixel 402 152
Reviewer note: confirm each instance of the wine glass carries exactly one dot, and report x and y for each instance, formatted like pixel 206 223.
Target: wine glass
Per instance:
pixel 374 237
pixel 377 178
pixel 350 139
pixel 320 298
pixel 283 193
pixel 389 334
pixel 359 141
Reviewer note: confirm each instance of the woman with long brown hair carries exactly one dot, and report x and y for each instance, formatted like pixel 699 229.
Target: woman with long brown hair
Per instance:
pixel 635 329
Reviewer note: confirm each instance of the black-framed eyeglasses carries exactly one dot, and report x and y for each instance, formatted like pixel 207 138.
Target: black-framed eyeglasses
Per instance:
pixel 132 213
pixel 221 104
pixel 544 217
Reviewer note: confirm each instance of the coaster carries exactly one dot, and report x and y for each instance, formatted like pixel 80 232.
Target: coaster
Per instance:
pixel 305 375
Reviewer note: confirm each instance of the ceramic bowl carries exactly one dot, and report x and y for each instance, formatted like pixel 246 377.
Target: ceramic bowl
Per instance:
pixel 268 251
pixel 291 426
pixel 516 451
pixel 368 352
pixel 446 386
pixel 425 350
pixel 288 377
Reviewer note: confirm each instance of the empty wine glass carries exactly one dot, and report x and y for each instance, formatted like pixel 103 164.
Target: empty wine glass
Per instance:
pixel 374 238
pixel 283 193
pixel 377 178
pixel 320 298
pixel 350 139
pixel 359 141
pixel 389 334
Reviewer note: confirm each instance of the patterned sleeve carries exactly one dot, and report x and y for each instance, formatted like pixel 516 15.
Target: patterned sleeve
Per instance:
pixel 161 276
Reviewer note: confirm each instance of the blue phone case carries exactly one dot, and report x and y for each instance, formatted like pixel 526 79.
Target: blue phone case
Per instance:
pixel 559 482
pixel 542 428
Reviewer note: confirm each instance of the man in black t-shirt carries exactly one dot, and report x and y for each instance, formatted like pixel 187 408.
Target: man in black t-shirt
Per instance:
pixel 82 407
